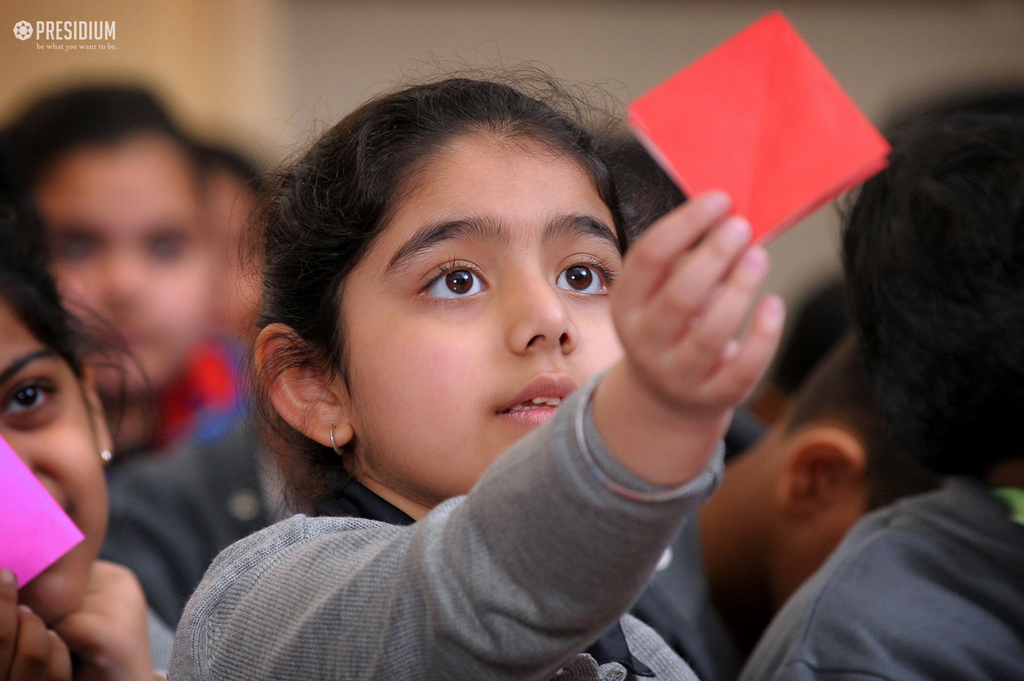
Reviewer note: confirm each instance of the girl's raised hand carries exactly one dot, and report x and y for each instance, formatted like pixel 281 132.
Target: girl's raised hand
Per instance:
pixel 28 652
pixel 685 290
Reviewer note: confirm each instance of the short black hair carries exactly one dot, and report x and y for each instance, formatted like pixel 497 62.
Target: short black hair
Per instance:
pixel 933 250
pixel 818 324
pixel 839 389
pixel 95 115
pixel 646 192
pixel 213 157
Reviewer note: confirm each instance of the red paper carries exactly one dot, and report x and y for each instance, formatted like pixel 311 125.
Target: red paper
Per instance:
pixel 761 118
pixel 34 530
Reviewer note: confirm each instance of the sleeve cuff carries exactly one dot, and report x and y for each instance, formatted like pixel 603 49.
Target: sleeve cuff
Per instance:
pixel 603 465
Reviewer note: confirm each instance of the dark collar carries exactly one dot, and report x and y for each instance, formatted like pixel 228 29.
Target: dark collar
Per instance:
pixel 357 501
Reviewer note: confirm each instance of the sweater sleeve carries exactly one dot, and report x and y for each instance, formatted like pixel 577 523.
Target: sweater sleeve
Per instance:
pixel 508 582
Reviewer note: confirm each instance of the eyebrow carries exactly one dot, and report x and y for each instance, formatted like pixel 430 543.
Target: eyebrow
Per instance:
pixel 19 364
pixel 454 230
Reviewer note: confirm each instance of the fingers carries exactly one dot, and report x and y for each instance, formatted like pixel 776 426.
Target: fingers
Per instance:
pixel 710 340
pixel 60 660
pixel 652 257
pixel 686 292
pixel 8 620
pixel 738 374
pixel 28 652
pixel 32 650
pixel 109 630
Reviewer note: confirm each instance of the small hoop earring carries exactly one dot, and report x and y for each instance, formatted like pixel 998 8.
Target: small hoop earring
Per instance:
pixel 106 456
pixel 333 443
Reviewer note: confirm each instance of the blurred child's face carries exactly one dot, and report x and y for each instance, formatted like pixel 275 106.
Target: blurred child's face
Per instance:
pixel 475 312
pixel 127 242
pixel 46 419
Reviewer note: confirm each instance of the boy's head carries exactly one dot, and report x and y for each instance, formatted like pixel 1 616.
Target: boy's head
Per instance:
pixel 934 256
pixel 794 495
pixel 118 189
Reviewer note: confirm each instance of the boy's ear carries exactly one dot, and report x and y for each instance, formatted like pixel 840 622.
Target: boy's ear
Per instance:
pixel 310 402
pixel 104 441
pixel 824 466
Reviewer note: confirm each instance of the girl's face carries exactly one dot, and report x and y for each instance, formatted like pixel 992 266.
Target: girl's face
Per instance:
pixel 46 419
pixel 475 312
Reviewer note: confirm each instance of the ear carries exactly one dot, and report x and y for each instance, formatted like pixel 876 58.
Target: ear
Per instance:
pixel 824 466
pixel 101 432
pixel 308 401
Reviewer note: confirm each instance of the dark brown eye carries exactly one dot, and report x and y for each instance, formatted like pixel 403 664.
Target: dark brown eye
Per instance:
pixel 581 279
pixel 26 398
pixel 455 284
pixel 459 281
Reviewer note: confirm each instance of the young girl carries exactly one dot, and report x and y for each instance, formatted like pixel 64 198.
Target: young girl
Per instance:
pixel 50 415
pixel 438 269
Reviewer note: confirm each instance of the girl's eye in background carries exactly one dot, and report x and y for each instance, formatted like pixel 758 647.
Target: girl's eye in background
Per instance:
pixel 26 398
pixel 455 284
pixel 581 279
pixel 76 248
pixel 166 247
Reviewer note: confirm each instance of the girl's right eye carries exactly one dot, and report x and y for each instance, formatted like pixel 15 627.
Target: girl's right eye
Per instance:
pixel 455 284
pixel 26 398
pixel 29 405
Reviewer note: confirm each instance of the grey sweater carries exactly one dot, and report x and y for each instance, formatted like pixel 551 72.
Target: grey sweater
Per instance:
pixel 929 589
pixel 511 581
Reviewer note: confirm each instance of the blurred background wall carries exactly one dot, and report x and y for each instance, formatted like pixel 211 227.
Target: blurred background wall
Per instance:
pixel 261 73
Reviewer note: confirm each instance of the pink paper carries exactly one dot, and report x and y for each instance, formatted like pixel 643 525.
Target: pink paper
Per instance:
pixel 34 530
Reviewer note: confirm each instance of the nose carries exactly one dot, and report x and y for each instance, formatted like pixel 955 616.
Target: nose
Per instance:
pixel 122 278
pixel 538 319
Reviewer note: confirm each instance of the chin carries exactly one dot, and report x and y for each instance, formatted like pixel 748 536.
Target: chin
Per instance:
pixel 59 589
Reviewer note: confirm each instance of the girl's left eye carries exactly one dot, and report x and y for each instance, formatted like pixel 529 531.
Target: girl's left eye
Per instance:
pixel 581 279
pixel 455 284
pixel 28 397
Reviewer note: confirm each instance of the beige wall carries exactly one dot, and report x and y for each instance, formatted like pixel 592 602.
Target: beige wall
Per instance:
pixel 884 53
pixel 263 70
pixel 218 64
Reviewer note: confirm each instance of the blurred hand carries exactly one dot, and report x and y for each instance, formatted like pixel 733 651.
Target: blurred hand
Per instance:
pixel 109 633
pixel 28 652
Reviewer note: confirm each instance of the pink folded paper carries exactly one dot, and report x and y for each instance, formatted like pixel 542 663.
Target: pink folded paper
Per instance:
pixel 34 530
pixel 760 117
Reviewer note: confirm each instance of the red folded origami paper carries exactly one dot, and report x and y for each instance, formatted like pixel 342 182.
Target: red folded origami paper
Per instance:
pixel 760 117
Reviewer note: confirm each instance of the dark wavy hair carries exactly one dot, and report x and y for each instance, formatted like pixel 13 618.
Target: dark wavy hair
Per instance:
pixel 68 120
pixel 323 212
pixel 933 250
pixel 26 285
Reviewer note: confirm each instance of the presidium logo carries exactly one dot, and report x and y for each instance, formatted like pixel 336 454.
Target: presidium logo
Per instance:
pixel 23 30
pixel 79 31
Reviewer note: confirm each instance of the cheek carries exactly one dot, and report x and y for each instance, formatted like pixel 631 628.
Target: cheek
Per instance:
pixel 599 343
pixel 73 285
pixel 421 373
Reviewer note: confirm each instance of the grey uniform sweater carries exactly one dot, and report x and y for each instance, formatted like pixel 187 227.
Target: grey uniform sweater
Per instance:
pixel 929 589
pixel 512 581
